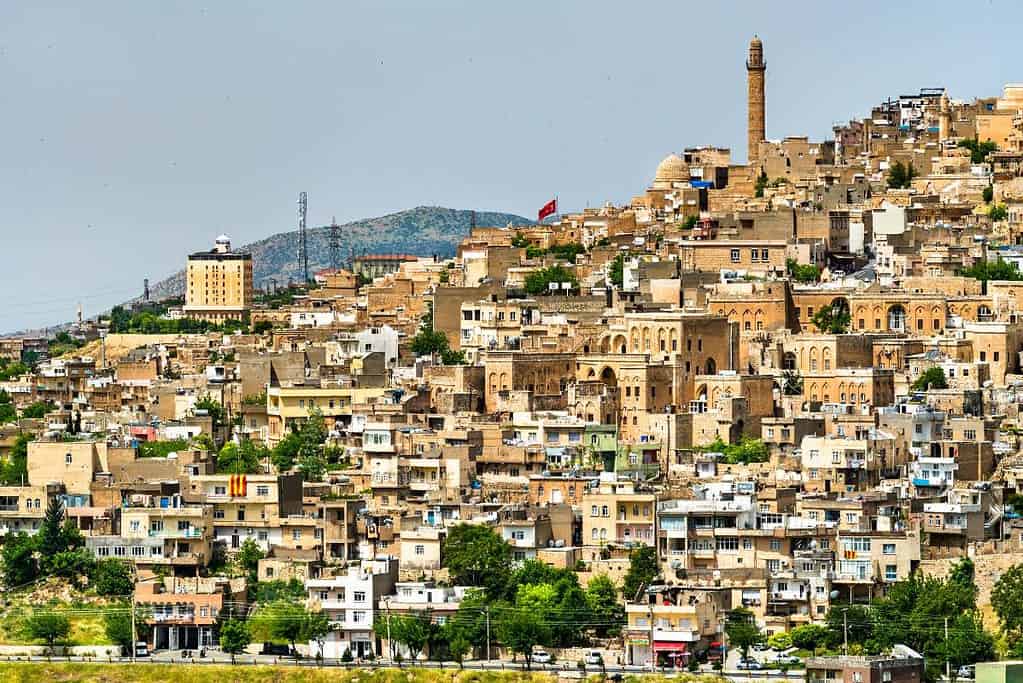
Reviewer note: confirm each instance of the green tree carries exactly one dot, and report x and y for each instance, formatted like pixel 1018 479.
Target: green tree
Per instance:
pixel 477 556
pixel 19 560
pixel 50 540
pixel 642 570
pixel 859 622
pixel 809 636
pixel 213 409
pixel 427 342
pixel 978 150
pixel 452 357
pixel 8 413
pixel 112 577
pixel 286 452
pixel 234 637
pixel 742 630
pixel 117 625
pixel 805 274
pixel 521 630
pixel 760 184
pixel 470 621
pixel 931 378
pixel 831 320
pixel 988 194
pixel 413 630
pixel 14 470
pixel 538 281
pixel 608 611
pixel 900 176
pixel 1007 601
pixel 616 271
pixel 992 270
pixel 244 458
pixel 316 628
pixel 248 557
pixel 458 648
pixel 312 467
pixel 48 627
pixel 37 410
pixel 287 621
pixel 780 641
pixel 998 212
pixel 266 592
pixel 967 643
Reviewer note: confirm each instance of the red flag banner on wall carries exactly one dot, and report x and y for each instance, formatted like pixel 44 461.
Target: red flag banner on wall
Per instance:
pixel 237 485
pixel 547 209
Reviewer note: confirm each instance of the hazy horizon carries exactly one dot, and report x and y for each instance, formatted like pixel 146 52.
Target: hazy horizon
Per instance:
pixel 136 132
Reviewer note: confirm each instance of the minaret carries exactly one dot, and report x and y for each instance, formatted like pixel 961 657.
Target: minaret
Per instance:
pixel 755 68
pixel 944 118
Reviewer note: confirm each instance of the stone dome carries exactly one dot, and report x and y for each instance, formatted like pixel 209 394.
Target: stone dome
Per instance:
pixel 672 169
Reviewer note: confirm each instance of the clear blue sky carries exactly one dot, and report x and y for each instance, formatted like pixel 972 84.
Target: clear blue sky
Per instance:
pixel 133 132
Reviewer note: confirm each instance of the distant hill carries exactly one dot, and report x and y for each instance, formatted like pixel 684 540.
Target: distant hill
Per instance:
pixel 423 231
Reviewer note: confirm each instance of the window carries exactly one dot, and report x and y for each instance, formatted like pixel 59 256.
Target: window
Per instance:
pixel 763 254
pixel 995 356
pixel 263 535
pixel 67 459
pixel 220 490
pixel 983 356
pixel 747 544
pixel 970 434
pixel 218 513
pixel 420 550
pixel 753 255
pixel 518 535
pixel 358 616
pixel 359 596
pixel 296 534
pixel 604 512
pixel 735 255
pixel 775 545
pixel 262 490
pixel 103 551
pixel 891 572
pixel 593 511
pixel 888 548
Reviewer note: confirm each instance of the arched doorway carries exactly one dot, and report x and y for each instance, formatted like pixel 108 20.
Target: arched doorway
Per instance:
pixel 607 376
pixel 897 318
pixel 712 367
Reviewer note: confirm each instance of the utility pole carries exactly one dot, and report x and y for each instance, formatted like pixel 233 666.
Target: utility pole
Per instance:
pixel 303 238
pixel 948 664
pixel 133 648
pixel 390 643
pixel 653 653
pixel 486 610
pixel 845 630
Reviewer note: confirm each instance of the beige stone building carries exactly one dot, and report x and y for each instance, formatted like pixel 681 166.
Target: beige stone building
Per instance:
pixel 218 283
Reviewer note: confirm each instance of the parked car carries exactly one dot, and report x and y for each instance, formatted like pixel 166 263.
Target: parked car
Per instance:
pixel 542 657
pixel 275 649
pixel 141 649
pixel 788 659
pixel 966 671
pixel 749 665
pixel 593 658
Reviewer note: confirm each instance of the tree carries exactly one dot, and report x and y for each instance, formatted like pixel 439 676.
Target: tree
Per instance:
pixel 48 627
pixel 112 577
pixel 117 625
pixel 14 471
pixel 988 194
pixel 616 272
pixel 234 637
pixel 780 641
pixel 742 630
pixel 458 648
pixel 538 281
pixel 809 636
pixel 50 539
pixel 931 378
pixel 992 270
pixel 858 618
pixel 760 185
pixel 411 630
pixel 967 642
pixel 37 410
pixel 900 176
pixel 792 383
pixel 316 628
pixel 470 621
pixel 289 622
pixel 642 570
pixel 285 452
pixel 19 561
pixel 477 556
pixel 240 459
pixel 998 212
pixel 978 150
pixel 607 610
pixel 452 357
pixel 963 573
pixel 521 630
pixel 427 342
pixel 312 467
pixel 70 564
pixel 1007 600
pixel 805 274
pixel 248 557
pixel 831 320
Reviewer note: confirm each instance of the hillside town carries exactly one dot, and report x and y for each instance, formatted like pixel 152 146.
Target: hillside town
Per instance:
pixel 763 415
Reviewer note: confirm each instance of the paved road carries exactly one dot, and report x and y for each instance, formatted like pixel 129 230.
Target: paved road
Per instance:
pixel 266 660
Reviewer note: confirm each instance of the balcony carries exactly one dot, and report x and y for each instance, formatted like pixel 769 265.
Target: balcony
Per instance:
pixel 191 532
pixel 676 635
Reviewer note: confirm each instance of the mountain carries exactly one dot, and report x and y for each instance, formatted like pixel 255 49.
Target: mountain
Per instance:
pixel 423 231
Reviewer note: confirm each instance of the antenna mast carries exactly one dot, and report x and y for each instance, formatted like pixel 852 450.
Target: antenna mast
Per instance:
pixel 303 237
pixel 334 243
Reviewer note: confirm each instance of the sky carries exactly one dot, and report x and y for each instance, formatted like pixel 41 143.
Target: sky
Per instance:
pixel 134 132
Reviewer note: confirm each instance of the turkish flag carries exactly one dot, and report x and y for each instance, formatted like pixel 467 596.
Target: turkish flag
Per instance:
pixel 547 209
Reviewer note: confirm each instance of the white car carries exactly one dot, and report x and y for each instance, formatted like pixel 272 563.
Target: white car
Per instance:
pixel 593 658
pixel 541 657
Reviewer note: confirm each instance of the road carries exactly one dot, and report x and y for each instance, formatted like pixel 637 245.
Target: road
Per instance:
pixel 495 665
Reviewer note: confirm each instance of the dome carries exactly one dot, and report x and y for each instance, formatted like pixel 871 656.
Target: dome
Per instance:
pixel 223 239
pixel 756 42
pixel 672 169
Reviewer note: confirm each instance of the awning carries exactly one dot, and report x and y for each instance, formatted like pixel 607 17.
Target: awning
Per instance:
pixel 668 646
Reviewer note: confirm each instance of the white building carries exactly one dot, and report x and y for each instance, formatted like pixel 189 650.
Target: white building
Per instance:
pixel 349 601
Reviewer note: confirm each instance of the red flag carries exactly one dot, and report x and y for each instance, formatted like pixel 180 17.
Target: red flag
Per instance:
pixel 547 209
